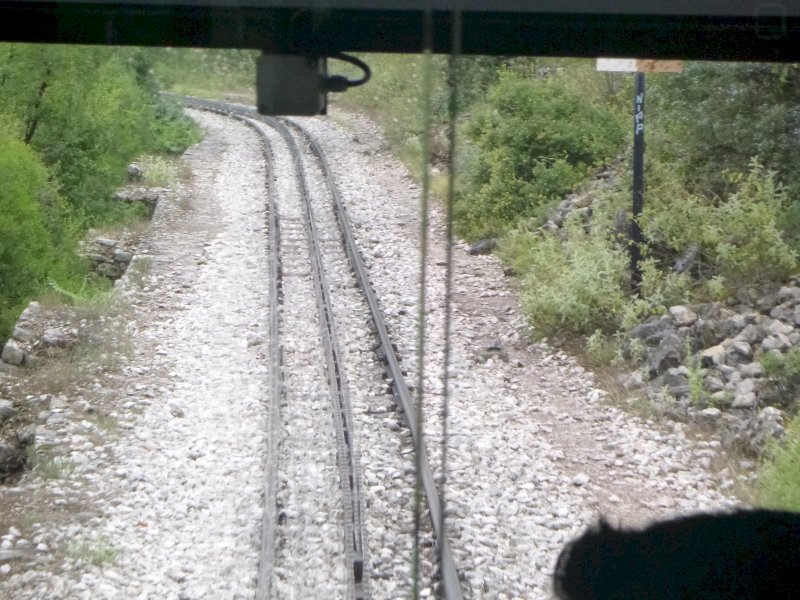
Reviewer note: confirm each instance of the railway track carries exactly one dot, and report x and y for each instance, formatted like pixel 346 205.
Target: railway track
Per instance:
pixel 309 237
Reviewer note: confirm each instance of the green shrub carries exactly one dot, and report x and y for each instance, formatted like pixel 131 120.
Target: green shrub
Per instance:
pixel 571 285
pixel 71 120
pixel 26 250
pixel 738 238
pixel 718 116
pixel 534 141
pixel 779 481
pixel 783 372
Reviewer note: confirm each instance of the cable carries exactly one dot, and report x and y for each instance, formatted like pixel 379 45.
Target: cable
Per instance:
pixel 340 83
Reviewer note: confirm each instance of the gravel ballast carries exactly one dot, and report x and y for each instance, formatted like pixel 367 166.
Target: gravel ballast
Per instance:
pixel 165 501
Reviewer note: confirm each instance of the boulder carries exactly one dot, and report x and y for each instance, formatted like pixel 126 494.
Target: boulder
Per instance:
pixel 753 370
pixel 135 172
pixel 669 354
pixel 756 434
pixel 779 342
pixel 7 410
pixel 12 458
pixel 683 315
pixel 789 295
pixel 55 337
pixel 712 357
pixel 23 334
pixel 653 330
pixel 13 354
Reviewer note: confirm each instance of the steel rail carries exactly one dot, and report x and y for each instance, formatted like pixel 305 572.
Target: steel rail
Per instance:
pixel 277 389
pixel 347 456
pixel 450 582
pixel 349 465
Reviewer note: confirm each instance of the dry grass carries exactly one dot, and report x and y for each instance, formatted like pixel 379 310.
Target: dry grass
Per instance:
pixel 102 343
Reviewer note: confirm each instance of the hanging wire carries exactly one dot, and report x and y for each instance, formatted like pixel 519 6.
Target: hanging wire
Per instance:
pixel 340 83
pixel 427 33
pixel 453 64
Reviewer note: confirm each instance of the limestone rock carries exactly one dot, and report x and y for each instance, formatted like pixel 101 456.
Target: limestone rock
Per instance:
pixel 683 315
pixel 13 354
pixel 482 246
pixel 713 356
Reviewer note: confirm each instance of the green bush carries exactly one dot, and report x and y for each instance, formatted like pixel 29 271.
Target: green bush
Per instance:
pixel 738 238
pixel 534 141
pixel 783 372
pixel 779 481
pixel 71 120
pixel 26 249
pixel 718 116
pixel 570 285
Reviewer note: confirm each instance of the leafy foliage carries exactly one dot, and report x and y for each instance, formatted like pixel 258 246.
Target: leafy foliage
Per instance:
pixel 26 250
pixel 739 239
pixel 71 121
pixel 534 142
pixel 783 372
pixel 717 116
pixel 572 284
pixel 779 480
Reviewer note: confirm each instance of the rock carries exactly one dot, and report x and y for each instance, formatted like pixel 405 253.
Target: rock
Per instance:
pixel 710 414
pixel 13 354
pixel 789 294
pixel 632 380
pixel 734 324
pixel 744 401
pixel 752 370
pixel 707 332
pixel 713 356
pixel 7 410
pixel 746 386
pixel 782 313
pixel 580 479
pixel 23 334
pixel 776 327
pixel 683 315
pixel 652 331
pixel 765 303
pixel 584 201
pixel 677 380
pixel 777 342
pixel 56 337
pixel 713 383
pixel 12 458
pixel 482 246
pixel 123 257
pixel 740 347
pixel 147 196
pixel 751 334
pixel 106 242
pixel 27 435
pixel 756 434
pixel 669 354
pixel 135 172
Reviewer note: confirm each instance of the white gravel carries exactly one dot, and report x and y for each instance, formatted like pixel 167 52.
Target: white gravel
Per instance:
pixel 535 452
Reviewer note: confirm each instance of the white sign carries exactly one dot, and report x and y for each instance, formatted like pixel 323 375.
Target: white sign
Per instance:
pixel 625 65
pixel 639 65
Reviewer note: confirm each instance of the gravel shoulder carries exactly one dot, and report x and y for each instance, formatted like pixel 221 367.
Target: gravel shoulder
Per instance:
pixel 162 498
